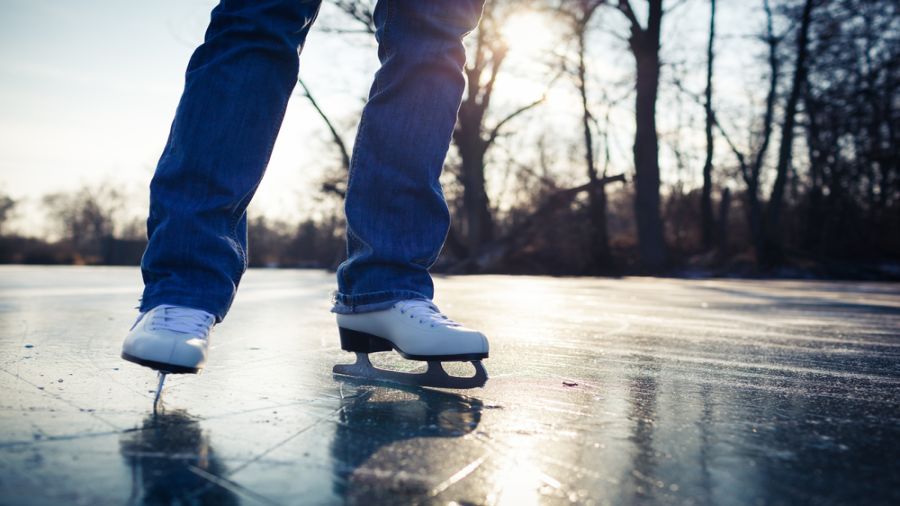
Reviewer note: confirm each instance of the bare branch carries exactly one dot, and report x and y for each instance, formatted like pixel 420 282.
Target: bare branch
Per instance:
pixel 772 41
pixel 676 5
pixel 336 137
pixel 496 63
pixel 495 132
pixel 358 10
pixel 624 6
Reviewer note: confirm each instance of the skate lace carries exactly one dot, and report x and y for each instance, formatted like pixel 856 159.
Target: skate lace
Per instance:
pixel 426 313
pixel 183 320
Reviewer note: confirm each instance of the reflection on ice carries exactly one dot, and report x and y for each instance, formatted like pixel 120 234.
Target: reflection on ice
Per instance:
pixel 518 482
pixel 375 418
pixel 171 459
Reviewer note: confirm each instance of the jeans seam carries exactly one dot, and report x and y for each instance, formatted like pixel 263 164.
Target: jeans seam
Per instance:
pixel 235 219
pixel 387 23
pixel 353 160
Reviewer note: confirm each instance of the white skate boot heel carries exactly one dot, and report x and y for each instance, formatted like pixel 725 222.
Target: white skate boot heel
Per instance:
pixel 170 339
pixel 417 330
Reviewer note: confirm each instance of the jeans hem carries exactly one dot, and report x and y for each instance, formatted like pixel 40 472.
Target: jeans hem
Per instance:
pixel 374 301
pixel 184 300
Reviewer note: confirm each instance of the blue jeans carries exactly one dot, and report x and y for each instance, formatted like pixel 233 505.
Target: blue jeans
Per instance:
pixel 237 86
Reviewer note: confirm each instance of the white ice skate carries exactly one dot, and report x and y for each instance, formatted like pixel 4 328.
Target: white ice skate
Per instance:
pixel 418 331
pixel 170 339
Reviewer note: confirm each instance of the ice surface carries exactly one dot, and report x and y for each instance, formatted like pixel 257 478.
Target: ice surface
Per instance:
pixel 648 391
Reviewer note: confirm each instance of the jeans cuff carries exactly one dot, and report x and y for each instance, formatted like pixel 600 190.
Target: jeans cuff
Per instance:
pixel 369 302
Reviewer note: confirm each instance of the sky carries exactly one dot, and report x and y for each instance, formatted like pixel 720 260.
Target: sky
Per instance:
pixel 88 90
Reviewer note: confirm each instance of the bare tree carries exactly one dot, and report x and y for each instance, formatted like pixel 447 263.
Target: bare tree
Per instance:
pixel 706 207
pixel 579 15
pixel 7 205
pixel 473 136
pixel 751 162
pixel 852 131
pixel 88 219
pixel 644 42
pixel 771 252
pixel 362 18
pixel 332 183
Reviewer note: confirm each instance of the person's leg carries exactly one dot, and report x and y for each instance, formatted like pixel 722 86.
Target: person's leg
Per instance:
pixel 237 86
pixel 397 219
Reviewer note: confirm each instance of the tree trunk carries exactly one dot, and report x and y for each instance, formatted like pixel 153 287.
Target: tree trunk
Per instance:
pixel 773 251
pixel 478 223
pixel 721 236
pixel 645 47
pixel 754 220
pixel 750 170
pixel 817 159
pixel 600 257
pixel 706 207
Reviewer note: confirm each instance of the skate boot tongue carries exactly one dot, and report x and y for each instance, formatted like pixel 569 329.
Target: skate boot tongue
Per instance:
pixel 426 312
pixel 182 320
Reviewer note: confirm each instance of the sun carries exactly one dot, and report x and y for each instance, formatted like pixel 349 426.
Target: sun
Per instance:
pixel 530 38
pixel 527 32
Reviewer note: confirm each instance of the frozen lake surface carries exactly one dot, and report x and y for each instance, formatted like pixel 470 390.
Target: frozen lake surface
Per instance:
pixel 650 391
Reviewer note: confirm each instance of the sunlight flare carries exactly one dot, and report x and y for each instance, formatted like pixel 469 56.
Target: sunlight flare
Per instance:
pixel 527 32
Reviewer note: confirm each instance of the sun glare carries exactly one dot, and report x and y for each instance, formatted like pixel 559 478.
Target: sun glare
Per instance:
pixel 527 32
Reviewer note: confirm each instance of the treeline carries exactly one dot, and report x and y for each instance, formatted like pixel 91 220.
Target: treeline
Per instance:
pixel 804 181
pixel 92 226
pixel 86 226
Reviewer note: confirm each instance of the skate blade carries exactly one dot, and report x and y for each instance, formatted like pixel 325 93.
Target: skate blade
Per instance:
pixel 157 398
pixel 434 376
